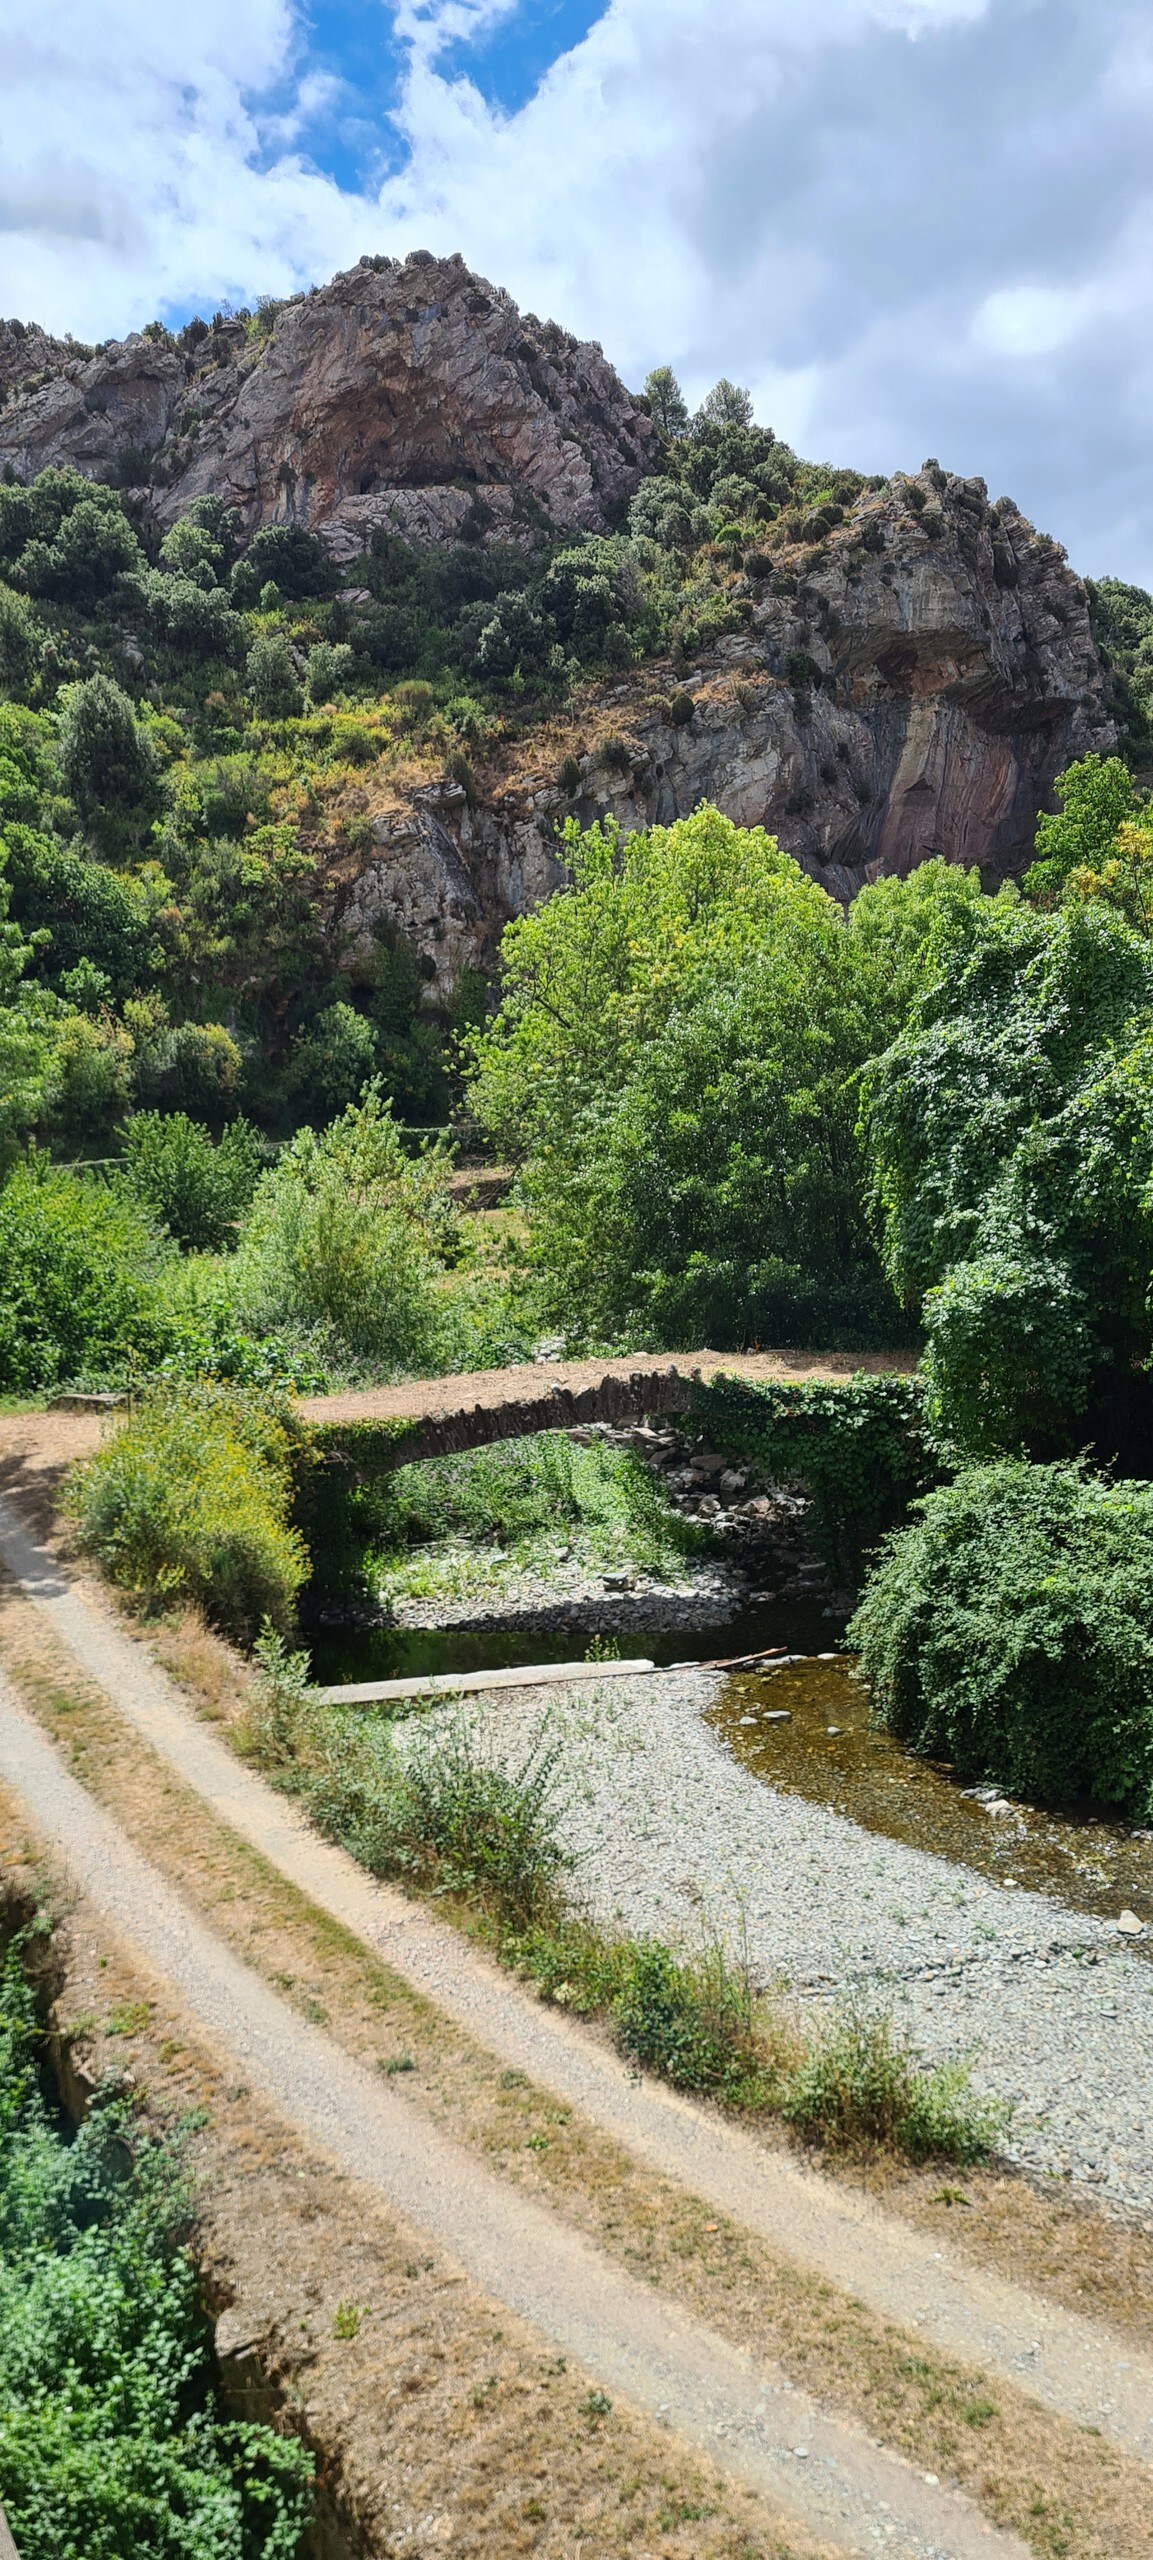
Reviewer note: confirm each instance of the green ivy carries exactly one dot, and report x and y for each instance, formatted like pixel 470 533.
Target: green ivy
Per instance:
pixel 861 1449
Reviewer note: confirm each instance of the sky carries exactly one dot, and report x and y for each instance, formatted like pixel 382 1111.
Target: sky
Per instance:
pixel 911 227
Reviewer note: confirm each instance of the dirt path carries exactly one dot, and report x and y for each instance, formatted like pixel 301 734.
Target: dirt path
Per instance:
pixel 747 2417
pixel 1068 2363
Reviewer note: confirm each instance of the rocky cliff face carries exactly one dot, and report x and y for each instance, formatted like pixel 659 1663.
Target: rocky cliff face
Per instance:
pixel 908 685
pixel 409 395
pixel 908 680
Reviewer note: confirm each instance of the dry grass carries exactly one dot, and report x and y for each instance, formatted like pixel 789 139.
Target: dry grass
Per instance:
pixel 1068 2492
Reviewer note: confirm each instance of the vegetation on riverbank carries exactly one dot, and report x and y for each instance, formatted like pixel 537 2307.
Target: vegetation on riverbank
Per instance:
pixel 448 1819
pixel 111 2435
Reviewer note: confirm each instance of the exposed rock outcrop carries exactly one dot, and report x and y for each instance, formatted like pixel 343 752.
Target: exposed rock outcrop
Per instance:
pixel 907 681
pixel 409 395
pixel 909 685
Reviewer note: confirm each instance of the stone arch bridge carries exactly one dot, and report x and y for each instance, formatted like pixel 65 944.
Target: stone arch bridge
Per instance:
pixel 437 1417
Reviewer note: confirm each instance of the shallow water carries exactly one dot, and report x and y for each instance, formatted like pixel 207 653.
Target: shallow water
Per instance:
pixel 398 1653
pixel 828 1752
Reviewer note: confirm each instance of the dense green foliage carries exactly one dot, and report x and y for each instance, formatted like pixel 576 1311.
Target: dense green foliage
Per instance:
pixel 1009 1629
pixel 1011 1129
pixel 673 1066
pixel 859 1448
pixel 191 1500
pixel 111 2440
pixel 346 1233
pixel 80 1270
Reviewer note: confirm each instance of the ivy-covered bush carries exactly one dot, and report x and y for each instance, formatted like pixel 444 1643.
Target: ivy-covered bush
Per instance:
pixel 860 1448
pixel 1009 1630
pixel 1011 1132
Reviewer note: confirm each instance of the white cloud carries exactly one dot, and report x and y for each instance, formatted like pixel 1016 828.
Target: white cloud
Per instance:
pixel 910 225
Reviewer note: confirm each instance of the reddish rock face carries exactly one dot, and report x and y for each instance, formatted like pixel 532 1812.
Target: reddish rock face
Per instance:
pixel 949 674
pixel 414 396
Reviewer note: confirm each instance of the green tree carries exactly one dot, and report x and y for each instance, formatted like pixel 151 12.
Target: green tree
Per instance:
pixel 347 1234
pixel 105 758
pixel 728 404
pixel 271 678
pixel 672 1065
pixel 1096 797
pixel 1011 1133
pixel 197 1188
pixel 668 407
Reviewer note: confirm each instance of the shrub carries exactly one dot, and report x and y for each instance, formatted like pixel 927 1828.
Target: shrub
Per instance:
pixel 111 2437
pixel 346 1232
pixel 196 1189
pixel 79 1266
pixel 859 2088
pixel 1009 1630
pixel 1011 1129
pixel 491 1830
pixel 692 2020
pixel 191 1500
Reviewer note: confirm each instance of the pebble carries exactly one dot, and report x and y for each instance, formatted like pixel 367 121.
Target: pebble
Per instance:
pixel 672 1837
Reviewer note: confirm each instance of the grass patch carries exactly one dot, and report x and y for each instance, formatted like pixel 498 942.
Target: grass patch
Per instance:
pixel 444 1818
pixel 446 1524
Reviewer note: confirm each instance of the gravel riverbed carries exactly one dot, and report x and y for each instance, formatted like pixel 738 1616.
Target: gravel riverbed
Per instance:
pixel 1052 2008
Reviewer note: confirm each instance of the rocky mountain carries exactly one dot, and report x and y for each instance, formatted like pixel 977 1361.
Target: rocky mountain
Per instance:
pixel 415 396
pixel 908 683
pixel 909 674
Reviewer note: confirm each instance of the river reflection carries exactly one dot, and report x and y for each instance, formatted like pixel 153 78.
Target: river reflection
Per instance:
pixel 828 1752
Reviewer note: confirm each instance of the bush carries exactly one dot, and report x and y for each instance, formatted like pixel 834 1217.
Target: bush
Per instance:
pixel 1009 1630
pixel 346 1232
pixel 111 2437
pixel 858 2088
pixel 1011 1128
pixel 692 2020
pixel 196 1189
pixel 79 1267
pixel 188 1066
pixel 191 1500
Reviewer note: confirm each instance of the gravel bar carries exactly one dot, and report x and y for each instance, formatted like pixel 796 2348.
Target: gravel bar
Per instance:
pixel 672 1837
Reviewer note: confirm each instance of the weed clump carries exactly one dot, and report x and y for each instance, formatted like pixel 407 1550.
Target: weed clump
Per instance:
pixel 858 2088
